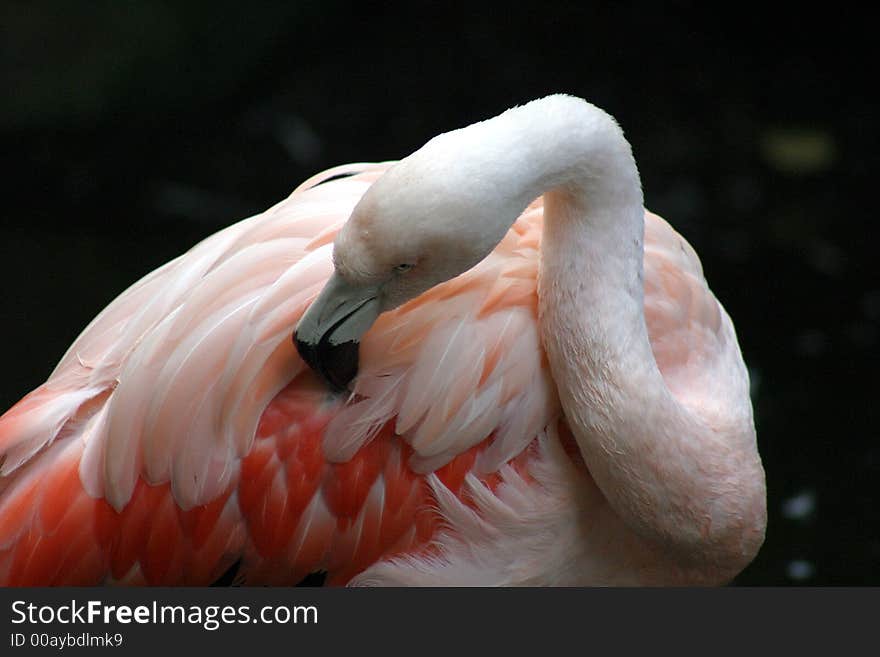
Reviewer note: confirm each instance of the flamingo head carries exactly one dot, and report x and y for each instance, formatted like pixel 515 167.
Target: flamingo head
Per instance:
pixel 428 219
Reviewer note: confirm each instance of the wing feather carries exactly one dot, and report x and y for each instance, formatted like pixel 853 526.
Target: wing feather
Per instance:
pixel 187 359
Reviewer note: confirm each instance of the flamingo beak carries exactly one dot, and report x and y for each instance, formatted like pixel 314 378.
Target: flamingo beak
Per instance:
pixel 328 334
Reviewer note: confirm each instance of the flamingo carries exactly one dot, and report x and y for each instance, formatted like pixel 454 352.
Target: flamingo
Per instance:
pixel 503 371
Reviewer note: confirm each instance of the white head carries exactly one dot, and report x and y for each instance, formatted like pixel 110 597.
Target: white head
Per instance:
pixel 429 218
pixel 433 216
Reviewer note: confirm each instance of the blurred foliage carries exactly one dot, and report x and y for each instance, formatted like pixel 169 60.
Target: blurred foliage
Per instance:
pixel 76 63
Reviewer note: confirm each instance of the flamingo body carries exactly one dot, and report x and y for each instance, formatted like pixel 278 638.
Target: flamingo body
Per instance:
pixel 182 433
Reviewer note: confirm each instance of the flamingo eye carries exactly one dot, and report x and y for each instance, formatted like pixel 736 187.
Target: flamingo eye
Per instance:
pixel 405 267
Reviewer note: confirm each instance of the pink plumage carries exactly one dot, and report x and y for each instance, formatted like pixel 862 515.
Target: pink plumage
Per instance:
pixel 182 433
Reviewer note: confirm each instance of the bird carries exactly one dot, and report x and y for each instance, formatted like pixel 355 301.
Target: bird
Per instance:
pixel 486 364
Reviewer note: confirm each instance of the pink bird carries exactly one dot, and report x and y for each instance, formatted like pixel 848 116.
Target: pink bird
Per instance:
pixel 511 374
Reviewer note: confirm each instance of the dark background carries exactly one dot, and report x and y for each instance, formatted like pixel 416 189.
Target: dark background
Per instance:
pixel 130 130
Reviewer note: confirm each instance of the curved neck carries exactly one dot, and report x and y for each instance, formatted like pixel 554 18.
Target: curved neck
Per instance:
pixel 657 463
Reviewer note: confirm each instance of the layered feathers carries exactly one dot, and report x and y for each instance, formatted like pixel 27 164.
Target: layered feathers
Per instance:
pixel 182 433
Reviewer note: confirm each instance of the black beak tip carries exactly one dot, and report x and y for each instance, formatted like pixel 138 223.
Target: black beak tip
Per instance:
pixel 304 349
pixel 337 364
